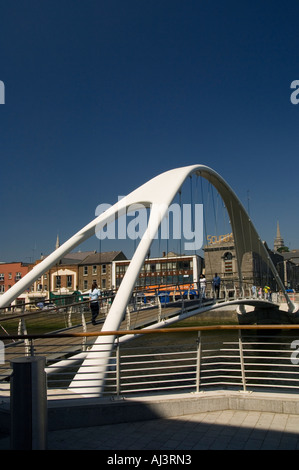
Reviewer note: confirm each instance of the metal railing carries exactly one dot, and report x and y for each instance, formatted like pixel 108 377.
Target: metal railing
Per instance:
pixel 170 360
pixel 24 320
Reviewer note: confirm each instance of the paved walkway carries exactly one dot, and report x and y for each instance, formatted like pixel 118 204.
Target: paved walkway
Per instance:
pixel 216 430
pixel 213 430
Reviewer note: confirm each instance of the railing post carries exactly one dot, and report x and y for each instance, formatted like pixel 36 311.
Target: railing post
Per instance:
pixel 83 327
pixel 32 351
pixel 128 317
pixel 159 309
pixel 69 316
pixel 198 361
pixel 117 368
pixel 22 330
pixel 242 360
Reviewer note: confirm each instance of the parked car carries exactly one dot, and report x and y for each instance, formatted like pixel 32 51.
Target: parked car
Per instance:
pixel 32 308
pixel 49 306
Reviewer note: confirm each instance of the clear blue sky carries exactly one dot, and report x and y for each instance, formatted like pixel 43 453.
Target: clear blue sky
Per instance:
pixel 101 96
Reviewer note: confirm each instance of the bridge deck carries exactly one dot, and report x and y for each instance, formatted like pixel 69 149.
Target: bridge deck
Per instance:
pixel 58 348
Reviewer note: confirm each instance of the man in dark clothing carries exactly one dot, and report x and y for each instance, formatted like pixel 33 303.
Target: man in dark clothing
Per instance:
pixel 216 285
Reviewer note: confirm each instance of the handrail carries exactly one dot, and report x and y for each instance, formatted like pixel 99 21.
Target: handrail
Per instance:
pixel 202 361
pixel 153 331
pixel 33 314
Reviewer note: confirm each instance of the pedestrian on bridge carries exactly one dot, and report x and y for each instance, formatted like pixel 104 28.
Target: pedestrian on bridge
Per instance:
pixel 216 285
pixel 203 285
pixel 94 296
pixel 253 291
pixel 267 291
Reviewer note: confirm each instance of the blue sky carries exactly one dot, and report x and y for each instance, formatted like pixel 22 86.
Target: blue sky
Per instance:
pixel 101 96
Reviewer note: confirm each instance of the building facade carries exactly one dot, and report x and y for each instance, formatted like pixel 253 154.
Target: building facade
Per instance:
pixel 64 276
pixel 10 273
pixel 291 269
pixel 170 269
pixel 99 268
pixel 221 258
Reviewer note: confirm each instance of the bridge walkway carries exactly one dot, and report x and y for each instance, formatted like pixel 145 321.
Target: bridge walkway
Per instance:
pixel 58 348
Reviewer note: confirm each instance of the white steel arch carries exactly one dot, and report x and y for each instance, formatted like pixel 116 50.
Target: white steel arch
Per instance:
pixel 157 194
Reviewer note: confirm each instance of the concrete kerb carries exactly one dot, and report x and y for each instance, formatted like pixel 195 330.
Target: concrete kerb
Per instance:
pixel 82 412
pixel 67 414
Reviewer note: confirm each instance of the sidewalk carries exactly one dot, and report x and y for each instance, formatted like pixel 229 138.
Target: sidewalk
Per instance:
pixel 215 430
pixel 216 420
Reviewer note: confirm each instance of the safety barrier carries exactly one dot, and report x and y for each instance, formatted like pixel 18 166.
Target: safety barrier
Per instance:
pixel 190 359
pixel 29 319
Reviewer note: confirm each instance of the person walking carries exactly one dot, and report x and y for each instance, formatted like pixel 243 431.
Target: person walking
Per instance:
pixel 94 295
pixel 202 285
pixel 253 291
pixel 216 285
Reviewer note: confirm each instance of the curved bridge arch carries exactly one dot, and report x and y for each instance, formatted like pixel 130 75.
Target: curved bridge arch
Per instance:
pixel 157 194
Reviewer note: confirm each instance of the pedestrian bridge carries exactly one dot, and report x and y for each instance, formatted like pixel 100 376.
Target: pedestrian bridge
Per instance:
pixel 155 195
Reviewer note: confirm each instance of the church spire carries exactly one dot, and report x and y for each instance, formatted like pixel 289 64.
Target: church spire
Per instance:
pixel 57 242
pixel 278 242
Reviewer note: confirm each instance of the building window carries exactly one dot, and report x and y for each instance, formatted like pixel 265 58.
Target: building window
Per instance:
pixel 103 284
pixel 69 281
pixel 85 284
pixel 2 289
pixel 58 282
pixel 228 262
pixel 121 268
pixel 1 277
pixel 103 268
pixel 184 265
pixel 85 270
pixel 94 270
pixel 18 276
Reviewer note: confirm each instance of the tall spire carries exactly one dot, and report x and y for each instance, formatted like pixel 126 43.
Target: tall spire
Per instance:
pixel 278 242
pixel 57 243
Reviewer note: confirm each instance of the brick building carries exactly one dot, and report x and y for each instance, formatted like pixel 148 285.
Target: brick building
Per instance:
pixel 98 267
pixel 10 273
